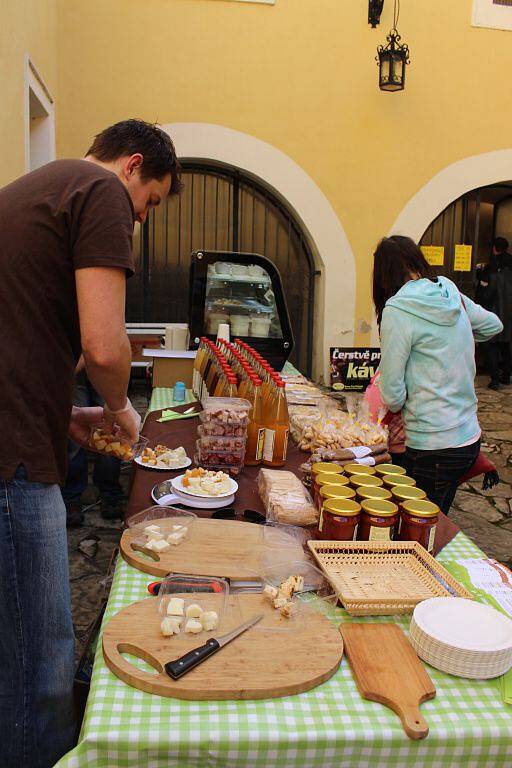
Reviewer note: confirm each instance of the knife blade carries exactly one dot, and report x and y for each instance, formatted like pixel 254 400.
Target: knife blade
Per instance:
pixel 190 660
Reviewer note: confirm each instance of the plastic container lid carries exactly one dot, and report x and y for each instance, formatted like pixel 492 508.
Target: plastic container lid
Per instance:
pixel 238 405
pixel 170 515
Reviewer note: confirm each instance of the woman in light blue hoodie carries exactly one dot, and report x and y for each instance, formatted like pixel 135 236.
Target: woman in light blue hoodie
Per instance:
pixel 428 332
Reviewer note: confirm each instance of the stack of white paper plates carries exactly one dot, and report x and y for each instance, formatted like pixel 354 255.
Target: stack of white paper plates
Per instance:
pixel 462 637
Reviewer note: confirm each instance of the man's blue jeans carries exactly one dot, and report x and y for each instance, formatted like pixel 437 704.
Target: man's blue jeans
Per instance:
pixel 37 718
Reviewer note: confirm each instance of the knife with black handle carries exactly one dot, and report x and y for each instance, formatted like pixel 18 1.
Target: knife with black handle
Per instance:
pixel 190 660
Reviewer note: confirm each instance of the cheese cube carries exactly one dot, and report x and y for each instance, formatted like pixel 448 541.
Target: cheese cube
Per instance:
pixel 209 620
pixel 194 611
pixel 179 528
pixel 149 528
pixel 169 626
pixel 149 544
pixel 160 546
pixel 281 601
pixel 175 606
pixel 175 538
pixel 287 610
pixel 194 626
pixel 291 585
pixel 270 592
pixel 156 535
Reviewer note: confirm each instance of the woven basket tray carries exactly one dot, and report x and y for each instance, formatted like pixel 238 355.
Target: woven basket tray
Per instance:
pixel 381 578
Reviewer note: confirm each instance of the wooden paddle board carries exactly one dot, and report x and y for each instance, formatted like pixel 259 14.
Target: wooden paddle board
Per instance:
pixel 264 662
pixel 387 669
pixel 228 548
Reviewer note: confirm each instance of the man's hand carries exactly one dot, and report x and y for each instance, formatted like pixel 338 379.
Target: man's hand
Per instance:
pixel 126 418
pixel 81 422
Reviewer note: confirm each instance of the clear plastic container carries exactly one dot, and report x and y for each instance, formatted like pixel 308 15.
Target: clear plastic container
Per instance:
pixel 209 592
pixel 318 594
pixel 168 516
pixel 115 443
pixel 232 469
pixel 226 410
pixel 222 428
pixel 222 458
pixel 221 442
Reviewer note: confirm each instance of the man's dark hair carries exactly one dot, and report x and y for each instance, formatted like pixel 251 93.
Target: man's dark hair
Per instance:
pixel 131 136
pixel 395 259
pixel 501 244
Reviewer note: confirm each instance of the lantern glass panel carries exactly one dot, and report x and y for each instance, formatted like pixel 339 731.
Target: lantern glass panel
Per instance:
pixel 384 69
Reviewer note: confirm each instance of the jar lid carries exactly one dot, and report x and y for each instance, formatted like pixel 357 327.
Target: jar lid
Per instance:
pixel 389 469
pixel 325 479
pixel 393 481
pixel 363 492
pixel 406 492
pixel 379 507
pixel 337 492
pixel 366 481
pixel 421 508
pixel 342 507
pixel 326 466
pixel 358 469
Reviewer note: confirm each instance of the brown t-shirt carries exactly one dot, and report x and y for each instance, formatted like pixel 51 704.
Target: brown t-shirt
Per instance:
pixel 64 216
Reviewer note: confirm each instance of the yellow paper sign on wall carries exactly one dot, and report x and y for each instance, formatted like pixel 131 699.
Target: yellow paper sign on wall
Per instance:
pixel 434 254
pixel 462 261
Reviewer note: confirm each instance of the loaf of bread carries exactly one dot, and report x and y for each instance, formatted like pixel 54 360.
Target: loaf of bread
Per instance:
pixel 285 499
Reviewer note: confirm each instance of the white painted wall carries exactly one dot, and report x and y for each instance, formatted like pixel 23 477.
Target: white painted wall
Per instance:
pixel 335 294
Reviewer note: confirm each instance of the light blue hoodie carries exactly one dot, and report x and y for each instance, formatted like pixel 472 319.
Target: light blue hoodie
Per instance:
pixel 428 367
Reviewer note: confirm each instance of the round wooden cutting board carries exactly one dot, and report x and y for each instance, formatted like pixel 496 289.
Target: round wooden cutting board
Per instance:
pixel 264 662
pixel 225 548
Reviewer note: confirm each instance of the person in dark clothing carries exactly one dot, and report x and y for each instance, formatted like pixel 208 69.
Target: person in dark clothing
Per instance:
pixel 494 293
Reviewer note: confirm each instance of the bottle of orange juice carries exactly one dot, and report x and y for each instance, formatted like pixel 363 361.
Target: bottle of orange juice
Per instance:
pixel 277 426
pixel 256 426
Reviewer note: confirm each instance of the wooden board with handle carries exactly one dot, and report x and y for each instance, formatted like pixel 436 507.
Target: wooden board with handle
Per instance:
pixel 212 548
pixel 262 663
pixel 387 670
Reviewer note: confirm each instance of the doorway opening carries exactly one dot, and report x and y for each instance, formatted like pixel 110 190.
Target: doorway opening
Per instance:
pixel 474 219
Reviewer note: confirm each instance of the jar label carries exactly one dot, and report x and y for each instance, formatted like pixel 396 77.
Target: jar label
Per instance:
pixel 321 521
pixel 268 447
pixel 431 537
pixel 399 526
pixel 285 443
pixel 379 534
pixel 260 443
pixel 354 537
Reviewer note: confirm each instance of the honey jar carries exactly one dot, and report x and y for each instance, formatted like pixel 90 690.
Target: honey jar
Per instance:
pixel 323 479
pixel 323 468
pixel 365 492
pixel 389 469
pixel 339 519
pixel 392 481
pixel 419 519
pixel 379 520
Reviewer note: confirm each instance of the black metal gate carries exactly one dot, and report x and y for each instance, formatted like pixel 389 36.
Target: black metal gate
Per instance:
pixel 220 209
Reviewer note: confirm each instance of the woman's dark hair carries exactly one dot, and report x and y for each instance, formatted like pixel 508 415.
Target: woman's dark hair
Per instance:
pixel 395 259
pixel 131 136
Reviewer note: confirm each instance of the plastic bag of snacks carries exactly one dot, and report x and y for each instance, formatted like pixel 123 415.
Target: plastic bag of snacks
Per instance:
pixel 285 499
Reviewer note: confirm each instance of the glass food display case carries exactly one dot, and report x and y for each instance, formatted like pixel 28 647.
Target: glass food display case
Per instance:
pixel 245 291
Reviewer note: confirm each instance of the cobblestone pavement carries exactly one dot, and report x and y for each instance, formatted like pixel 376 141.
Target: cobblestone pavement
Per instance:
pixel 486 516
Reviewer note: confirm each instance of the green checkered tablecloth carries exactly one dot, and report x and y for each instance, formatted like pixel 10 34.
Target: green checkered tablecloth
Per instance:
pixel 330 726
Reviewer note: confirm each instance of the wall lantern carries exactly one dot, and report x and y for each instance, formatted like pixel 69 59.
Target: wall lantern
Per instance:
pixel 392 59
pixel 374 11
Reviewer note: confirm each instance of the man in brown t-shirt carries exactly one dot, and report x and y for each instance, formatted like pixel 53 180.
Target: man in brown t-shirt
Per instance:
pixel 65 252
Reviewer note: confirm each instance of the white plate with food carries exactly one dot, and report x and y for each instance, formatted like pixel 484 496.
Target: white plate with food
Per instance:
pixel 163 459
pixel 205 484
pixel 196 502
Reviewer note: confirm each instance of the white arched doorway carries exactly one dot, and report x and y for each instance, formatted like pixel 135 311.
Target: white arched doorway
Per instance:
pixel 446 186
pixel 449 184
pixel 334 316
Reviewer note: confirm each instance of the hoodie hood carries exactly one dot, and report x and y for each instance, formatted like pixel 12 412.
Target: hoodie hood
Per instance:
pixel 439 303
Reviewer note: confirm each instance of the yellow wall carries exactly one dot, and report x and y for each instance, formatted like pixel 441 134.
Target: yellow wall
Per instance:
pixel 26 26
pixel 300 75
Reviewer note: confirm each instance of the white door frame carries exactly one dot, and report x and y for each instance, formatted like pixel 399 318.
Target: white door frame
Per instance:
pixel 335 288
pixel 33 82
